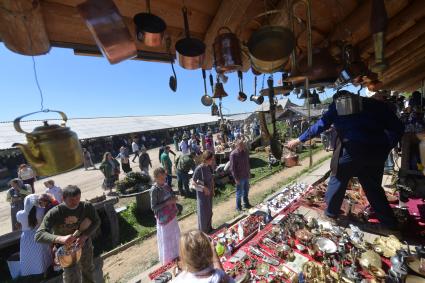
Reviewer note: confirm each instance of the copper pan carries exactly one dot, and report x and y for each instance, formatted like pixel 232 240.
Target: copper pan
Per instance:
pixel 108 29
pixel 150 28
pixel 191 51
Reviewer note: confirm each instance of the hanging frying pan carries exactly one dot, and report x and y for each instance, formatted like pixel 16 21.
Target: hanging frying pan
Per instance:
pixel 206 99
pixel 150 28
pixel 191 51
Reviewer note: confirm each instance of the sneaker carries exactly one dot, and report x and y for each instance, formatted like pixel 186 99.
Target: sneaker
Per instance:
pixel 239 210
pixel 248 206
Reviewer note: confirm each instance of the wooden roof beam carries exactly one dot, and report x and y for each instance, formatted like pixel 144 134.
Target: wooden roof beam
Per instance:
pixel 406 63
pixel 230 14
pixel 403 40
pixel 407 77
pixel 397 25
pixel 22 27
pixel 355 27
pixel 411 52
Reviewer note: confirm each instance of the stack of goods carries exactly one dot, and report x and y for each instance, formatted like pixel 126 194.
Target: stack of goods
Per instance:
pixel 230 239
pixel 311 250
pixel 284 199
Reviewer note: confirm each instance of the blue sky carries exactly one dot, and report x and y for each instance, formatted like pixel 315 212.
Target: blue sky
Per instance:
pixel 90 87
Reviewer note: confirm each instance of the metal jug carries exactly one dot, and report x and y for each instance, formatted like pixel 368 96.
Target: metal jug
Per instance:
pixel 51 149
pixel 347 103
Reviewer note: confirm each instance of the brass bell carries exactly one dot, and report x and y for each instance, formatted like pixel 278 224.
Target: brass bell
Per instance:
pixel 258 99
pixel 219 91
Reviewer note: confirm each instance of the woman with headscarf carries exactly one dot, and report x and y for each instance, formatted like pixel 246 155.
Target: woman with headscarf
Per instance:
pixel 35 258
pixel 203 181
pixel 15 196
pixel 111 170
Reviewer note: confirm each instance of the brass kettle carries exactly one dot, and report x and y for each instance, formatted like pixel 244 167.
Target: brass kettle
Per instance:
pixel 51 149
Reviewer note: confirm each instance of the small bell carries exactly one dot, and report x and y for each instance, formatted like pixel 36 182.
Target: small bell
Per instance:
pixel 258 99
pixel 219 91
pixel 314 98
pixel 303 94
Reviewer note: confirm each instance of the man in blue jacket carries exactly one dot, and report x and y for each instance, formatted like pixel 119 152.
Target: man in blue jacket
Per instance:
pixel 364 141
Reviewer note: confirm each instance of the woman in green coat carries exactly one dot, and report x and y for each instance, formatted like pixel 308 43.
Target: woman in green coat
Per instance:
pixel 111 170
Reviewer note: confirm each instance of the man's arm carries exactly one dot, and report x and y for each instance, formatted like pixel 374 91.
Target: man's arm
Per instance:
pixel 321 125
pixel 44 232
pixel 91 213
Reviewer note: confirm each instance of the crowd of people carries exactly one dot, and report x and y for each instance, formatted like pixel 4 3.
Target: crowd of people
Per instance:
pixel 49 221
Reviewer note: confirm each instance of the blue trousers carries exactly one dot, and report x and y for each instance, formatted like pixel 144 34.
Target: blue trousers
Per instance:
pixel 169 179
pixel 369 172
pixel 183 182
pixel 242 192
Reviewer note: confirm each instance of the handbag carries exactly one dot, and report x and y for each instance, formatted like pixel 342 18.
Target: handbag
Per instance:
pixel 199 184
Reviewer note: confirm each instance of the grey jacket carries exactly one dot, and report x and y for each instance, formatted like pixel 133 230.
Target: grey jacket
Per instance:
pixel 159 196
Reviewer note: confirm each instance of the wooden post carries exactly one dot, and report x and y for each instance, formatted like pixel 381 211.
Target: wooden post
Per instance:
pixel 22 27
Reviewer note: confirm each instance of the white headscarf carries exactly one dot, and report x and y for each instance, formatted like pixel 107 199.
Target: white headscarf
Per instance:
pixel 29 202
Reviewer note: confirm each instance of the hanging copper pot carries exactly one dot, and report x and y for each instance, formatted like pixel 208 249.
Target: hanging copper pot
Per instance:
pixel 227 51
pixel 269 48
pixel 323 72
pixel 149 27
pixel 214 110
pixel 191 51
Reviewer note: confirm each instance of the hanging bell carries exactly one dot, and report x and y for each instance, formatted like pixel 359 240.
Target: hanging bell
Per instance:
pixel 258 99
pixel 303 94
pixel 314 98
pixel 219 91
pixel 214 110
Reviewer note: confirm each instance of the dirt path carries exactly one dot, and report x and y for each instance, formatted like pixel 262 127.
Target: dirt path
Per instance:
pixel 136 259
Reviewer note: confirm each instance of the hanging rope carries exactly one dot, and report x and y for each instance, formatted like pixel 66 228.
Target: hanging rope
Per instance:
pixel 34 68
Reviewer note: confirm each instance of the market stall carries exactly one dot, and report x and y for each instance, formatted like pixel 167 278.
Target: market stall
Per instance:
pixel 288 239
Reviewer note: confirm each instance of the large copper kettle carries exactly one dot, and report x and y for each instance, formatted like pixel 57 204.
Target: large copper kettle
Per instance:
pixel 51 149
